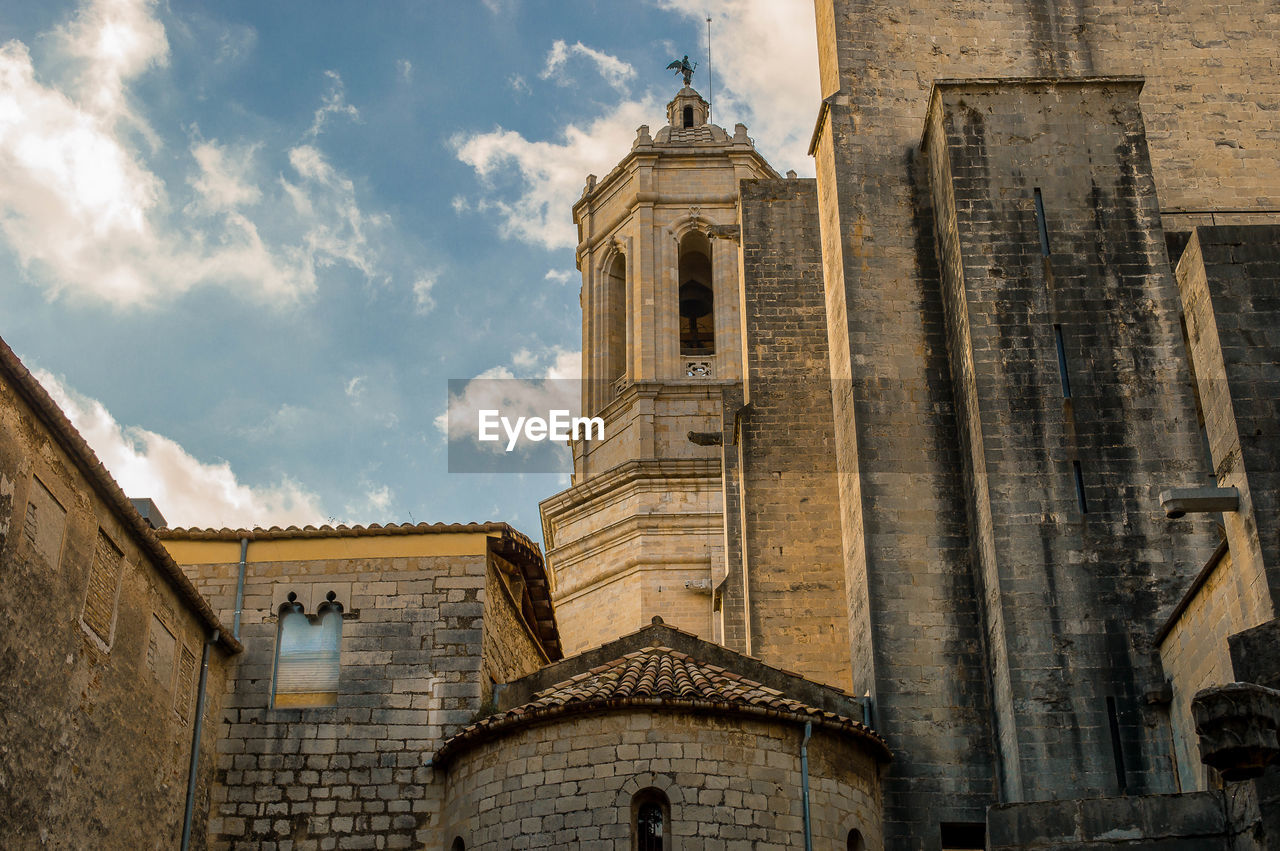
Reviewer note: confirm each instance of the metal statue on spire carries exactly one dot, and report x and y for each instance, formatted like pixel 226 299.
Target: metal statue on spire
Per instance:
pixel 684 66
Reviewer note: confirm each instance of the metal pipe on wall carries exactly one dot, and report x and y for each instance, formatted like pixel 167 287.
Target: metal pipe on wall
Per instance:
pixel 196 729
pixel 804 787
pixel 244 555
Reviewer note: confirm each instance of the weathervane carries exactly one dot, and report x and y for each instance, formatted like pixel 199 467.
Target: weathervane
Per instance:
pixel 683 66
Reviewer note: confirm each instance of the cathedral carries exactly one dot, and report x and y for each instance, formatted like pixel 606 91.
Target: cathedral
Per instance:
pixel 934 510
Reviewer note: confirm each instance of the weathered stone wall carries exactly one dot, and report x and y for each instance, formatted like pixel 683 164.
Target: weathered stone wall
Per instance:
pixel 731 782
pixel 914 619
pixel 790 502
pixel 1075 412
pixel 1230 283
pixel 1194 654
pixel 411 675
pixel 508 648
pixel 1255 658
pixel 1199 821
pixel 877 61
pixel 100 658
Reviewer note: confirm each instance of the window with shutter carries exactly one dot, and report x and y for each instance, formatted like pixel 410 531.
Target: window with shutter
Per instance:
pixel 104 580
pixel 308 652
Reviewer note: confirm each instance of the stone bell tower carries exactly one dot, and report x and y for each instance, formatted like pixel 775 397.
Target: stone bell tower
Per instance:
pixel 641 530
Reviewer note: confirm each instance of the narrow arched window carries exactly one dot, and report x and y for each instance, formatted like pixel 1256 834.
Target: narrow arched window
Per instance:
pixel 615 323
pixel 308 651
pixel 458 844
pixel 697 300
pixel 688 116
pixel 855 842
pixel 650 820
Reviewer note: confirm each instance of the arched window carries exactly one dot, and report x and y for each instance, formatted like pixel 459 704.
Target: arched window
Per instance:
pixel 697 301
pixel 458 844
pixel 855 842
pixel 688 116
pixel 615 320
pixel 308 653
pixel 650 821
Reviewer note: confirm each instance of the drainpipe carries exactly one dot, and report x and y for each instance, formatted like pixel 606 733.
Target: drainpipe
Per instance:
pixel 244 554
pixel 196 729
pixel 804 784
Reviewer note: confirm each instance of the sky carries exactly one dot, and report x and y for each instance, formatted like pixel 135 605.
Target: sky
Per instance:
pixel 246 245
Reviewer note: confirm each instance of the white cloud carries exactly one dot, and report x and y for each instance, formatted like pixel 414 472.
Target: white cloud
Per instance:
pixel 353 388
pixel 405 69
pixel 614 71
pixel 560 276
pixel 766 76
pixel 224 182
pixel 423 301
pixel 189 492
pixel 518 84
pixel 334 102
pixel 533 384
pixel 372 506
pixel 327 201
pixel 84 213
pixel 108 43
pixel 552 173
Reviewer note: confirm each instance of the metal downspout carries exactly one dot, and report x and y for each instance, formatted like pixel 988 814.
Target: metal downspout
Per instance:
pixel 244 554
pixel 196 729
pixel 804 784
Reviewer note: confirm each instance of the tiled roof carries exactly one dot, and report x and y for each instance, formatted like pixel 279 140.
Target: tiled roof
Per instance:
pixel 659 678
pixel 341 531
pixel 84 459
pixel 505 540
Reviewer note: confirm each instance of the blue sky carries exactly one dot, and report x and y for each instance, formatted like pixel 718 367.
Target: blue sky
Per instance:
pixel 246 244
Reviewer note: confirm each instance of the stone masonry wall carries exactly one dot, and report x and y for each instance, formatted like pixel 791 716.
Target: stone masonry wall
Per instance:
pixel 1194 822
pixel 1195 655
pixel 790 502
pixel 1076 412
pixel 354 775
pixel 100 659
pixel 1211 86
pixel 508 648
pixel 731 782
pixel 913 618
pixel 1230 283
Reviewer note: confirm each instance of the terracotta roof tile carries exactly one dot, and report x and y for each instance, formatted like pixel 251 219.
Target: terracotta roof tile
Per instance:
pixel 655 677
pixel 506 541
pixel 341 531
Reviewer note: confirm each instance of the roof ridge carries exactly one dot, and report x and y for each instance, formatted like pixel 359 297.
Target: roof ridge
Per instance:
pixel 656 676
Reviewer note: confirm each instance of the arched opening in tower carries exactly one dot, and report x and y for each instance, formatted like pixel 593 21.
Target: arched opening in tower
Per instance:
pixel 697 301
pixel 615 324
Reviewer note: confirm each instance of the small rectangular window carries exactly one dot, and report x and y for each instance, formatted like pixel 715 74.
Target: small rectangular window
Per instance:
pixel 1062 362
pixel 1041 224
pixel 1079 477
pixel 161 646
pixel 104 581
pixel 1117 751
pixel 963 835
pixel 186 680
pixel 43 525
